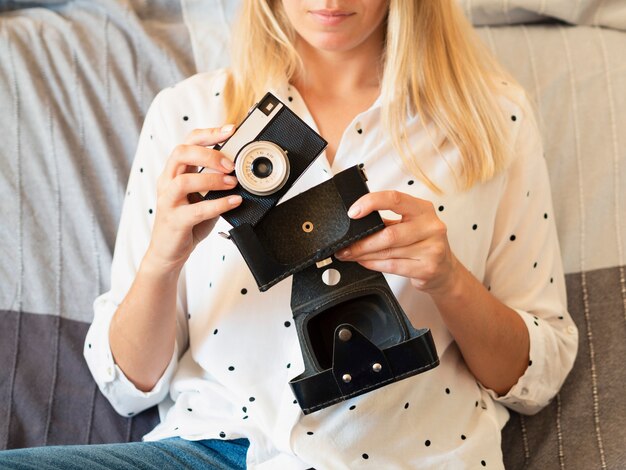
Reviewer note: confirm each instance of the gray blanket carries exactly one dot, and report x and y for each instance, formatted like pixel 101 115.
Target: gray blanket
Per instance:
pixel 75 81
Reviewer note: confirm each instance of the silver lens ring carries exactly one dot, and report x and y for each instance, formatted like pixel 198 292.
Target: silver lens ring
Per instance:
pixel 266 182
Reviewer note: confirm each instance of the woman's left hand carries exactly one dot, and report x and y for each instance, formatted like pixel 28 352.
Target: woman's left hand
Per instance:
pixel 416 246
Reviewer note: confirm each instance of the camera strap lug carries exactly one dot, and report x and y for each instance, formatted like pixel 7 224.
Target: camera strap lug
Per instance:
pixel 324 262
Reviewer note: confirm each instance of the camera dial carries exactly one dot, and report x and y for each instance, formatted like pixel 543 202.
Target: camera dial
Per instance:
pixel 262 167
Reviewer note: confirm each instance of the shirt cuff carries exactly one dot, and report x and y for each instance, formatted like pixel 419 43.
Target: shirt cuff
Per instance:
pixel 528 395
pixel 124 396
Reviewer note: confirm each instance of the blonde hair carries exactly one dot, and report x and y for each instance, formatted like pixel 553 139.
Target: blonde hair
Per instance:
pixel 439 67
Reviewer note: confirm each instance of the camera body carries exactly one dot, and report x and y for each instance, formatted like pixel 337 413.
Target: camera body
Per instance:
pixel 271 149
pixel 354 335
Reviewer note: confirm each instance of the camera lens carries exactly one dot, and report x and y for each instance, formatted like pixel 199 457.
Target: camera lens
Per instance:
pixel 262 167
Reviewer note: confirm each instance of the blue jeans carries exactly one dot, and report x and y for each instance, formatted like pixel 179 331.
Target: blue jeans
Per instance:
pixel 173 453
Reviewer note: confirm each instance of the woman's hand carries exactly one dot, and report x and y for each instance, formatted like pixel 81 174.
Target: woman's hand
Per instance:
pixel 416 246
pixel 492 337
pixel 182 218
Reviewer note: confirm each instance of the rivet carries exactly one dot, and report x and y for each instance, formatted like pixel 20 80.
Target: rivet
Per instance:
pixel 345 334
pixel 347 378
pixel 307 227
pixel 377 367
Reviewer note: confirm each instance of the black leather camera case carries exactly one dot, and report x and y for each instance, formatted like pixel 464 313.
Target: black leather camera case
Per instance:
pixel 354 336
pixel 305 229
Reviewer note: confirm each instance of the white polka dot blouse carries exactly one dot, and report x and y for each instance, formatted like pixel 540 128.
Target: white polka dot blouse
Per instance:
pixel 237 348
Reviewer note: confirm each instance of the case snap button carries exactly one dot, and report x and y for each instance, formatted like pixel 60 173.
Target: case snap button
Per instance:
pixel 331 277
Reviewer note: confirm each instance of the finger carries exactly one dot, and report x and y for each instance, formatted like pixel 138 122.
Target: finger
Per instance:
pixel 403 252
pixel 194 214
pixel 396 201
pixel 185 156
pixel 210 136
pixel 189 183
pixel 396 235
pixel 427 254
pixel 399 266
pixel 389 222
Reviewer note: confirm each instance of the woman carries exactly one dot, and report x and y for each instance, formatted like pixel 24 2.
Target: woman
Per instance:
pixel 450 147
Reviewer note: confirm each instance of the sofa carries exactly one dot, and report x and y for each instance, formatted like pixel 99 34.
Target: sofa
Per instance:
pixel 76 78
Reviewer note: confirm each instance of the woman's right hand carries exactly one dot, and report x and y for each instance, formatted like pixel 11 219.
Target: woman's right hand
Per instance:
pixel 182 218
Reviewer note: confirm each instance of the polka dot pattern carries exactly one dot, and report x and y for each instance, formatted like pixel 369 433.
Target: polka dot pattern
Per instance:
pixel 460 216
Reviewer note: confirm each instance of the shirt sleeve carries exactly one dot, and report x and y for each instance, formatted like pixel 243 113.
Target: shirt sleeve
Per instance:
pixel 133 237
pixel 524 270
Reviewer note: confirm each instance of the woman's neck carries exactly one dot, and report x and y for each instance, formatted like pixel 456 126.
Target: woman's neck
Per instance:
pixel 336 73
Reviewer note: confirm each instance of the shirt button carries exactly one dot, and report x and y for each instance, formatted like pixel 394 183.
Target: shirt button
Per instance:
pixel 571 330
pixel 524 391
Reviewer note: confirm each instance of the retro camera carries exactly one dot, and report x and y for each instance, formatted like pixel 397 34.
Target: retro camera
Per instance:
pixel 271 149
pixel 354 335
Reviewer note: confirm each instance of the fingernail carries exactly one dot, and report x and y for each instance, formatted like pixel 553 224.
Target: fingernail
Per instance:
pixel 230 180
pixel 234 200
pixel 225 129
pixel 226 163
pixel 344 253
pixel 354 211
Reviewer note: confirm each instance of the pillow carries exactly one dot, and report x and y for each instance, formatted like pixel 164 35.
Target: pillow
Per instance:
pixel 209 24
pixel 608 13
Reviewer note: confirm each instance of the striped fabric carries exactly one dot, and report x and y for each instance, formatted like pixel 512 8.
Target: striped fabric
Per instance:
pixel 75 81
pixel 577 78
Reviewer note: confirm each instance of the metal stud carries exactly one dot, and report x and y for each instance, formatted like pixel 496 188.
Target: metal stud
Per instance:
pixel 345 334
pixel 377 367
pixel 331 277
pixel 347 378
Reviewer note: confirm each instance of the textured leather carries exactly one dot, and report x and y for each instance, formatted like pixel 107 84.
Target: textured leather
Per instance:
pixel 278 246
pixel 380 333
pixel 288 240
